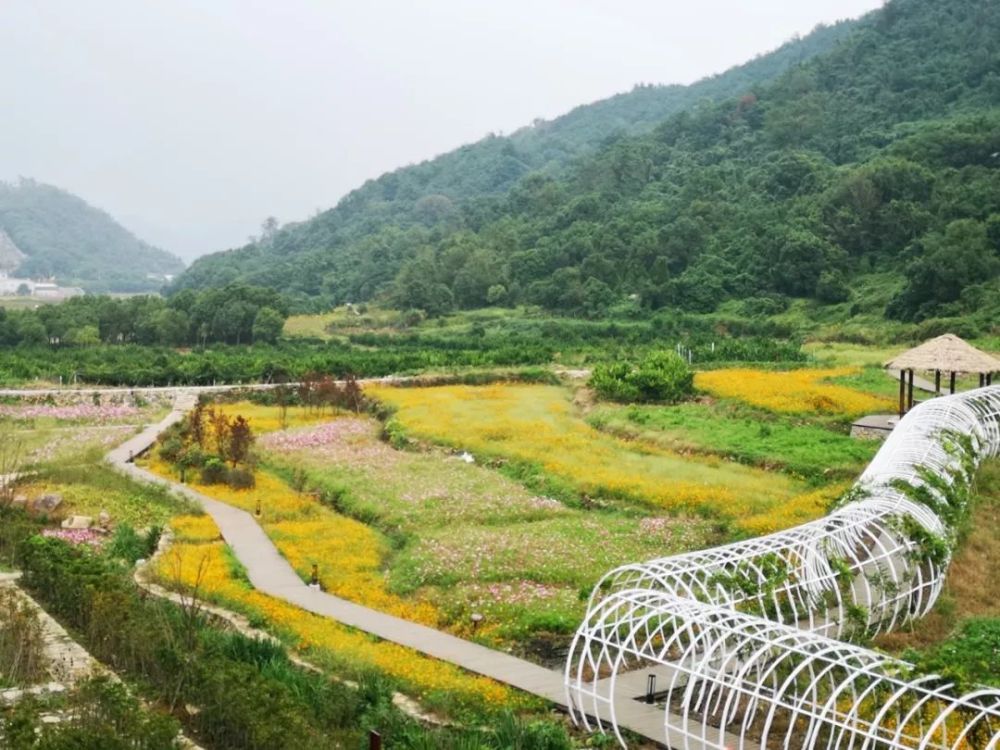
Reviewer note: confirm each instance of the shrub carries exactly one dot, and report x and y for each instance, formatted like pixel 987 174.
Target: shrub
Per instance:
pixel 22 645
pixel 170 449
pixel 127 545
pixel 214 471
pixel 660 376
pixel 968 657
pixel 240 479
pixel 100 713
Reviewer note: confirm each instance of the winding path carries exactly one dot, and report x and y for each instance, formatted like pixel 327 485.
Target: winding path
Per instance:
pixel 271 574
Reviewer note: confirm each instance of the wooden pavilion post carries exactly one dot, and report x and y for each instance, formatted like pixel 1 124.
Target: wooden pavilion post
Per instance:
pixel 902 393
pixel 937 382
pixel 909 385
pixel 952 382
pixel 982 379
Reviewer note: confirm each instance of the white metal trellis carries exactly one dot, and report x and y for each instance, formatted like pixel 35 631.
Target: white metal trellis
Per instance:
pixel 742 636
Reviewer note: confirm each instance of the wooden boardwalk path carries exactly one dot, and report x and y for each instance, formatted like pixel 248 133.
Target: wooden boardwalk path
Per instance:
pixel 271 574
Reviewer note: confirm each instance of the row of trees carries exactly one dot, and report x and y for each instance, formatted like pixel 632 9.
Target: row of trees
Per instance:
pixel 235 314
pixel 206 441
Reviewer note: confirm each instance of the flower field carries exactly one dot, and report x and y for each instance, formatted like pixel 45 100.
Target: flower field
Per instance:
pixel 429 537
pixel 97 414
pixel 795 391
pixel 268 418
pixel 471 539
pixel 537 424
pixel 349 553
pixel 519 557
pixel 207 564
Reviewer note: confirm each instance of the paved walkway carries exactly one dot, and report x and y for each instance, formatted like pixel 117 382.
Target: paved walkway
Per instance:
pixel 270 573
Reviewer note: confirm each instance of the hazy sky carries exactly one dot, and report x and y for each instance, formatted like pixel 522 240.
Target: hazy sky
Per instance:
pixel 193 120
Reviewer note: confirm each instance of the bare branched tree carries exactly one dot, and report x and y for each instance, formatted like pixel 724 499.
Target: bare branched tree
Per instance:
pixel 11 463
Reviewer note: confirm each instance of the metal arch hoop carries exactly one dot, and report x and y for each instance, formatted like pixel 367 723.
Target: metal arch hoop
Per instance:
pixel 776 671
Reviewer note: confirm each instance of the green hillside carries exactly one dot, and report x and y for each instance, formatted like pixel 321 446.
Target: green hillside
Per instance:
pixel 446 192
pixel 63 236
pixel 878 159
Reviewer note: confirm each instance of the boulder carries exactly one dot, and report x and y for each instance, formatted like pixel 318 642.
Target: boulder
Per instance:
pixel 78 522
pixel 104 520
pixel 46 504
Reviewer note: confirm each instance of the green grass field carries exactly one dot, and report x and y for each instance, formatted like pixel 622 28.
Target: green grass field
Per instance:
pixel 751 436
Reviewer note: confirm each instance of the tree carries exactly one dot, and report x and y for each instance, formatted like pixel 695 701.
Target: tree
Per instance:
pixel 84 336
pixel 11 461
pixel 799 260
pixel 267 326
pixel 946 264
pixel 171 327
pixel 30 330
pixel 658 377
pixel 832 287
pixel 23 290
pixel 220 430
pixel 240 440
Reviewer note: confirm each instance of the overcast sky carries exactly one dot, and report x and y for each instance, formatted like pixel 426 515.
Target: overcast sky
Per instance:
pixel 193 120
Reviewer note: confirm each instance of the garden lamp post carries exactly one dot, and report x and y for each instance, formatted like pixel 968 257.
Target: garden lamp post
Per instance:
pixel 476 619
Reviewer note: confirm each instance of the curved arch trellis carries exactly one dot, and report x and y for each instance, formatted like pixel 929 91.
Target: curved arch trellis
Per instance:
pixel 750 638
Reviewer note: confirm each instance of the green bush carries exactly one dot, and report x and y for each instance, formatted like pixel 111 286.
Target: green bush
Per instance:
pixel 214 471
pixel 99 714
pixel 127 545
pixel 658 377
pixel 240 479
pixel 969 657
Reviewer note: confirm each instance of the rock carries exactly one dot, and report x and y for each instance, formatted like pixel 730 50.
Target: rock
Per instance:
pixel 104 519
pixel 46 504
pixel 20 501
pixel 78 522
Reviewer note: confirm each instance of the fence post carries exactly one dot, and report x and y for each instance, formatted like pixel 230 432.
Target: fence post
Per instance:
pixel 374 740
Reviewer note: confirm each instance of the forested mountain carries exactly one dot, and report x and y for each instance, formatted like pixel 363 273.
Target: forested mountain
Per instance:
pixel 880 155
pixel 426 194
pixel 64 237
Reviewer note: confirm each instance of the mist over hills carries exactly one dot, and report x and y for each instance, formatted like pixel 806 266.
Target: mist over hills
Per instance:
pixel 52 233
pixel 864 151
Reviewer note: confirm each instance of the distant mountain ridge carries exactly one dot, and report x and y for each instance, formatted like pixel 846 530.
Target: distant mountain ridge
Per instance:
pixel 53 233
pixel 864 181
pixel 423 193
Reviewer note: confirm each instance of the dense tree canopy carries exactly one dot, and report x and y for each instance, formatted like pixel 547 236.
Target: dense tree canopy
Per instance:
pixel 354 251
pixel 879 155
pixel 235 314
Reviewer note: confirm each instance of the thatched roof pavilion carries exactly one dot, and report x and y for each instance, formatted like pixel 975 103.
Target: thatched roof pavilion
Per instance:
pixel 947 353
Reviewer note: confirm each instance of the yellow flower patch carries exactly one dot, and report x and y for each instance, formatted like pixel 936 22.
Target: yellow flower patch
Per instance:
pixel 798 510
pixel 537 424
pixel 264 418
pixel 349 553
pixel 795 391
pixel 187 565
pixel 194 528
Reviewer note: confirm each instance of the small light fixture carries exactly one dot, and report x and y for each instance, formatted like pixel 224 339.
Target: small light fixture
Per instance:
pixel 476 619
pixel 314 579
